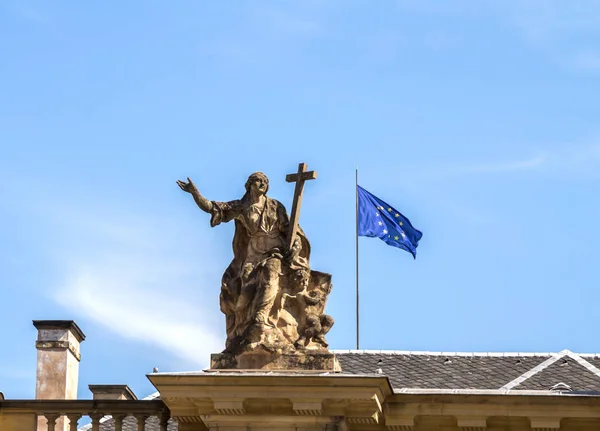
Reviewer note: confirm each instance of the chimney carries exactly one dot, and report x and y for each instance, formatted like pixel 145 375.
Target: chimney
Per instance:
pixel 112 392
pixel 57 359
pixel 57 363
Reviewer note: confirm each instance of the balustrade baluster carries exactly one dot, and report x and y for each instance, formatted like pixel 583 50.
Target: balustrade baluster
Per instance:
pixel 141 422
pixel 96 421
pixel 73 420
pixel 66 415
pixel 163 421
pixel 118 422
pixel 51 421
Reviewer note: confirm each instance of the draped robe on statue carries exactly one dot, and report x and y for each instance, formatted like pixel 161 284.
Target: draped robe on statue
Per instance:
pixel 255 284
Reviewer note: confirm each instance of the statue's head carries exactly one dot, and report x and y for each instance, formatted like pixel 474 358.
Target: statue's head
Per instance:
pixel 259 180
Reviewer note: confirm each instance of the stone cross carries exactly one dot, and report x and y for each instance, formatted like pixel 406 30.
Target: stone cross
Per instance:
pixel 299 178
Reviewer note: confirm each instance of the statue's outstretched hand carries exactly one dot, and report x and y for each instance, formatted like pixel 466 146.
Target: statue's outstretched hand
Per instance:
pixel 188 186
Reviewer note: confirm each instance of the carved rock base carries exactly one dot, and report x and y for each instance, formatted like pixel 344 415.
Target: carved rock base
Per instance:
pixel 302 361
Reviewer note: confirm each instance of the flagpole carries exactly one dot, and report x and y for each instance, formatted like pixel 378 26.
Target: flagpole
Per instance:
pixel 357 318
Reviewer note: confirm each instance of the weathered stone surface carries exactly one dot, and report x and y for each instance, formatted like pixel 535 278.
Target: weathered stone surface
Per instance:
pixel 112 392
pixel 317 361
pixel 273 302
pixel 58 359
pixel 17 421
pixel 277 401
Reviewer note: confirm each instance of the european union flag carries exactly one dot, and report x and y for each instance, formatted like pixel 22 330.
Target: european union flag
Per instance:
pixel 378 219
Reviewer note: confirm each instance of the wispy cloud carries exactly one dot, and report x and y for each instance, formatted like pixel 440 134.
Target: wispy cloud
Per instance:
pixel 136 275
pixel 574 161
pixel 299 20
pixel 511 166
pixel 37 15
pixel 145 283
pixel 461 169
pixel 142 298
pixel 586 60
pixel 545 20
pixel 268 28
pixel 562 29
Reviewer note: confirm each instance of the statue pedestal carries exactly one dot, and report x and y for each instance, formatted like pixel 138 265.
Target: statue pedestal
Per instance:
pixel 301 361
pixel 278 401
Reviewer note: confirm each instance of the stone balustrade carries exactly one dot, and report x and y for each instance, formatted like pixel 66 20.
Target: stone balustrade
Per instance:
pixel 67 415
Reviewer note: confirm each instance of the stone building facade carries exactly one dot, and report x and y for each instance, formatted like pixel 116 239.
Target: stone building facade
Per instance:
pixel 371 390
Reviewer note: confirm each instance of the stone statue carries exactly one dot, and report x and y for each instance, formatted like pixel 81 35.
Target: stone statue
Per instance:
pixel 271 299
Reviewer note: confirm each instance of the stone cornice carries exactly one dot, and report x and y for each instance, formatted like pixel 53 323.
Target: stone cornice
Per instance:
pixel 351 402
pixel 59 345
pixel 69 325
pixel 304 400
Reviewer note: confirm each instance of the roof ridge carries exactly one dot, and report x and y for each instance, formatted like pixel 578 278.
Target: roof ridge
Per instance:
pixel 540 392
pixel 438 353
pixel 532 372
pixel 590 367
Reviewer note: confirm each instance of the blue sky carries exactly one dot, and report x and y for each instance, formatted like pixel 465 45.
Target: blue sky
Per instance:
pixel 477 119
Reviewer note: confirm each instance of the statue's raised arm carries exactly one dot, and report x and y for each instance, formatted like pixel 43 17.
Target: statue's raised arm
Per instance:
pixel 203 203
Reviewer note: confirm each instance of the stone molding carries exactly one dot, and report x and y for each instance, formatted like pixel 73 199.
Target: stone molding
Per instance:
pixel 235 400
pixel 67 325
pixel 233 406
pixel 308 407
pixel 466 423
pixel 112 392
pixel 59 335
pixel 545 424
pixel 59 345
pixel 400 423
pixel 350 403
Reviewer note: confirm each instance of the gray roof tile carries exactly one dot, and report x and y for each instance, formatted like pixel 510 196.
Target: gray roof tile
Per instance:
pixel 565 370
pixel 453 371
pixel 441 372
